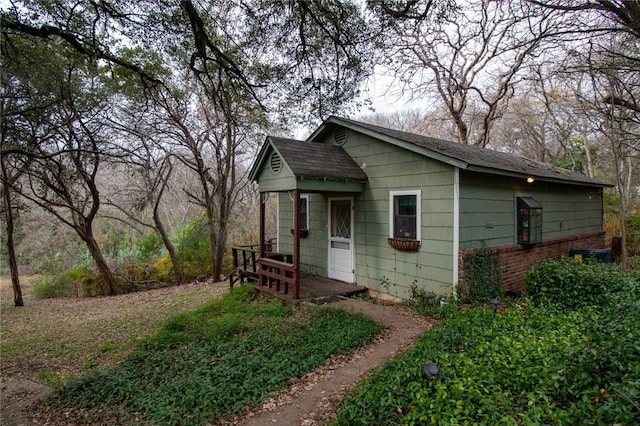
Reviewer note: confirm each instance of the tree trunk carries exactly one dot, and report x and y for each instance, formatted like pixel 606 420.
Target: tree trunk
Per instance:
pixel 587 151
pixel 162 233
pixel 218 235
pixel 213 246
pixel 623 213
pixel 13 263
pixel 220 249
pixel 105 272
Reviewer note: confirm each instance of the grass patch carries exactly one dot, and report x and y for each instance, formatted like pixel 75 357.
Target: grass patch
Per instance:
pixel 529 365
pixel 213 361
pixel 109 345
pixel 49 378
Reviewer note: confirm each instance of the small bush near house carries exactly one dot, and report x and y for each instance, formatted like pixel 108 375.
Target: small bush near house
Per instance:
pixel 569 284
pixel 530 365
pixel 431 304
pixel 214 361
pixel 481 276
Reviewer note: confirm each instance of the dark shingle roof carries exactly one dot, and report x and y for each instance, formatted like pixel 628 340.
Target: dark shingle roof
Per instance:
pixel 475 158
pixel 318 161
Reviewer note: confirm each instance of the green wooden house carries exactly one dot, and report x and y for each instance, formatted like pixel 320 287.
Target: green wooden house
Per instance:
pixel 388 210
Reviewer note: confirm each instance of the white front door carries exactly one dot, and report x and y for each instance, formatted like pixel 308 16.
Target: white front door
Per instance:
pixel 341 239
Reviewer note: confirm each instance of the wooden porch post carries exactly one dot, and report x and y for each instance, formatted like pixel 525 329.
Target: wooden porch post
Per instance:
pixel 261 243
pixel 296 243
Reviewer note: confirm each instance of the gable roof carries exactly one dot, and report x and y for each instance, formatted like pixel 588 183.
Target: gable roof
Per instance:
pixel 463 156
pixel 311 160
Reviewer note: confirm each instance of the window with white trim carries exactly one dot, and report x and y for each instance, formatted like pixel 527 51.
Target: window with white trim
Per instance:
pixel 404 215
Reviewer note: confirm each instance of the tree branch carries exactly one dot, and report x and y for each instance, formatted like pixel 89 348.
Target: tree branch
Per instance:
pixel 47 31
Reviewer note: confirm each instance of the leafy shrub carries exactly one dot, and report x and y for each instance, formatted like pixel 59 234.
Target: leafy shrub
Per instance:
pixel 193 247
pixel 569 284
pixel 48 264
pixel 71 283
pixel 52 287
pixel 215 361
pixel 163 269
pixel 481 276
pixel 90 282
pixel 432 304
pixel 529 365
pixel 633 234
pixel 150 246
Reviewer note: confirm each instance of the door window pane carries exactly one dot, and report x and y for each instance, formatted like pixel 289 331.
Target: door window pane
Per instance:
pixel 341 218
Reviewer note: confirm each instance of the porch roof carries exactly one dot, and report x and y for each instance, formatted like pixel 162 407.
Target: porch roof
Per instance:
pixel 306 166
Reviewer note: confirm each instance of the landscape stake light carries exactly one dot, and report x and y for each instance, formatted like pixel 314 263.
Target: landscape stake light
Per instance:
pixel 431 370
pixel 494 302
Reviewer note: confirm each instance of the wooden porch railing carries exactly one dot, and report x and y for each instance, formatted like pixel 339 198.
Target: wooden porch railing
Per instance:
pixel 279 271
pixel 275 270
pixel 245 262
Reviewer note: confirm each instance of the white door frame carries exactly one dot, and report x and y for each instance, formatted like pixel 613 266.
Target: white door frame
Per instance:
pixel 346 271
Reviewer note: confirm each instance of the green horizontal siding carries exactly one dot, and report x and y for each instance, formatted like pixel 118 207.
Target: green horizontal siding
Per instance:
pixel 391 169
pixel 488 212
pixel 273 182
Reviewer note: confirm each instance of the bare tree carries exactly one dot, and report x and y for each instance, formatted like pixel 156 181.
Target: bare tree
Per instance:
pixel 149 169
pixel 67 140
pixel 407 120
pixel 615 88
pixel 471 58
pixel 546 121
pixel 211 146
pixel 623 16
pixel 62 181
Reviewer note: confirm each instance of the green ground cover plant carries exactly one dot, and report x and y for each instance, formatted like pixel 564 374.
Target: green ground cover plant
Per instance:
pixel 214 361
pixel 532 365
pixel 568 284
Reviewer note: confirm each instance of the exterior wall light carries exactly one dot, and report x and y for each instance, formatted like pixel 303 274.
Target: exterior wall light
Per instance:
pixel 530 179
pixel 431 370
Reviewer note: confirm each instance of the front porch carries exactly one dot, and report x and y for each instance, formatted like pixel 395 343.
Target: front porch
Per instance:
pixel 316 289
pixel 276 275
pixel 286 166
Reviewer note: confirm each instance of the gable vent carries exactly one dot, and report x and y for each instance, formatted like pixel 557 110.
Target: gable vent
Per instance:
pixel 276 162
pixel 340 136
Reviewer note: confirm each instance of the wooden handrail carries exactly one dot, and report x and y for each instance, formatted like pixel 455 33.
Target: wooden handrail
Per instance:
pixel 245 261
pixel 273 269
pixel 279 273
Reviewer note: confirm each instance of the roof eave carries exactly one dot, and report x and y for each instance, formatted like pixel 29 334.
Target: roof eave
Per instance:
pixel 257 164
pixel 521 175
pixel 331 179
pixel 393 141
pixel 321 129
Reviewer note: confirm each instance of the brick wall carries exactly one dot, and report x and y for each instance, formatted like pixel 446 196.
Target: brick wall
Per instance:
pixel 516 259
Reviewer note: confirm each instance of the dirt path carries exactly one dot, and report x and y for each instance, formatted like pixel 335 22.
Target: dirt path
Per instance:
pixel 64 350
pixel 310 401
